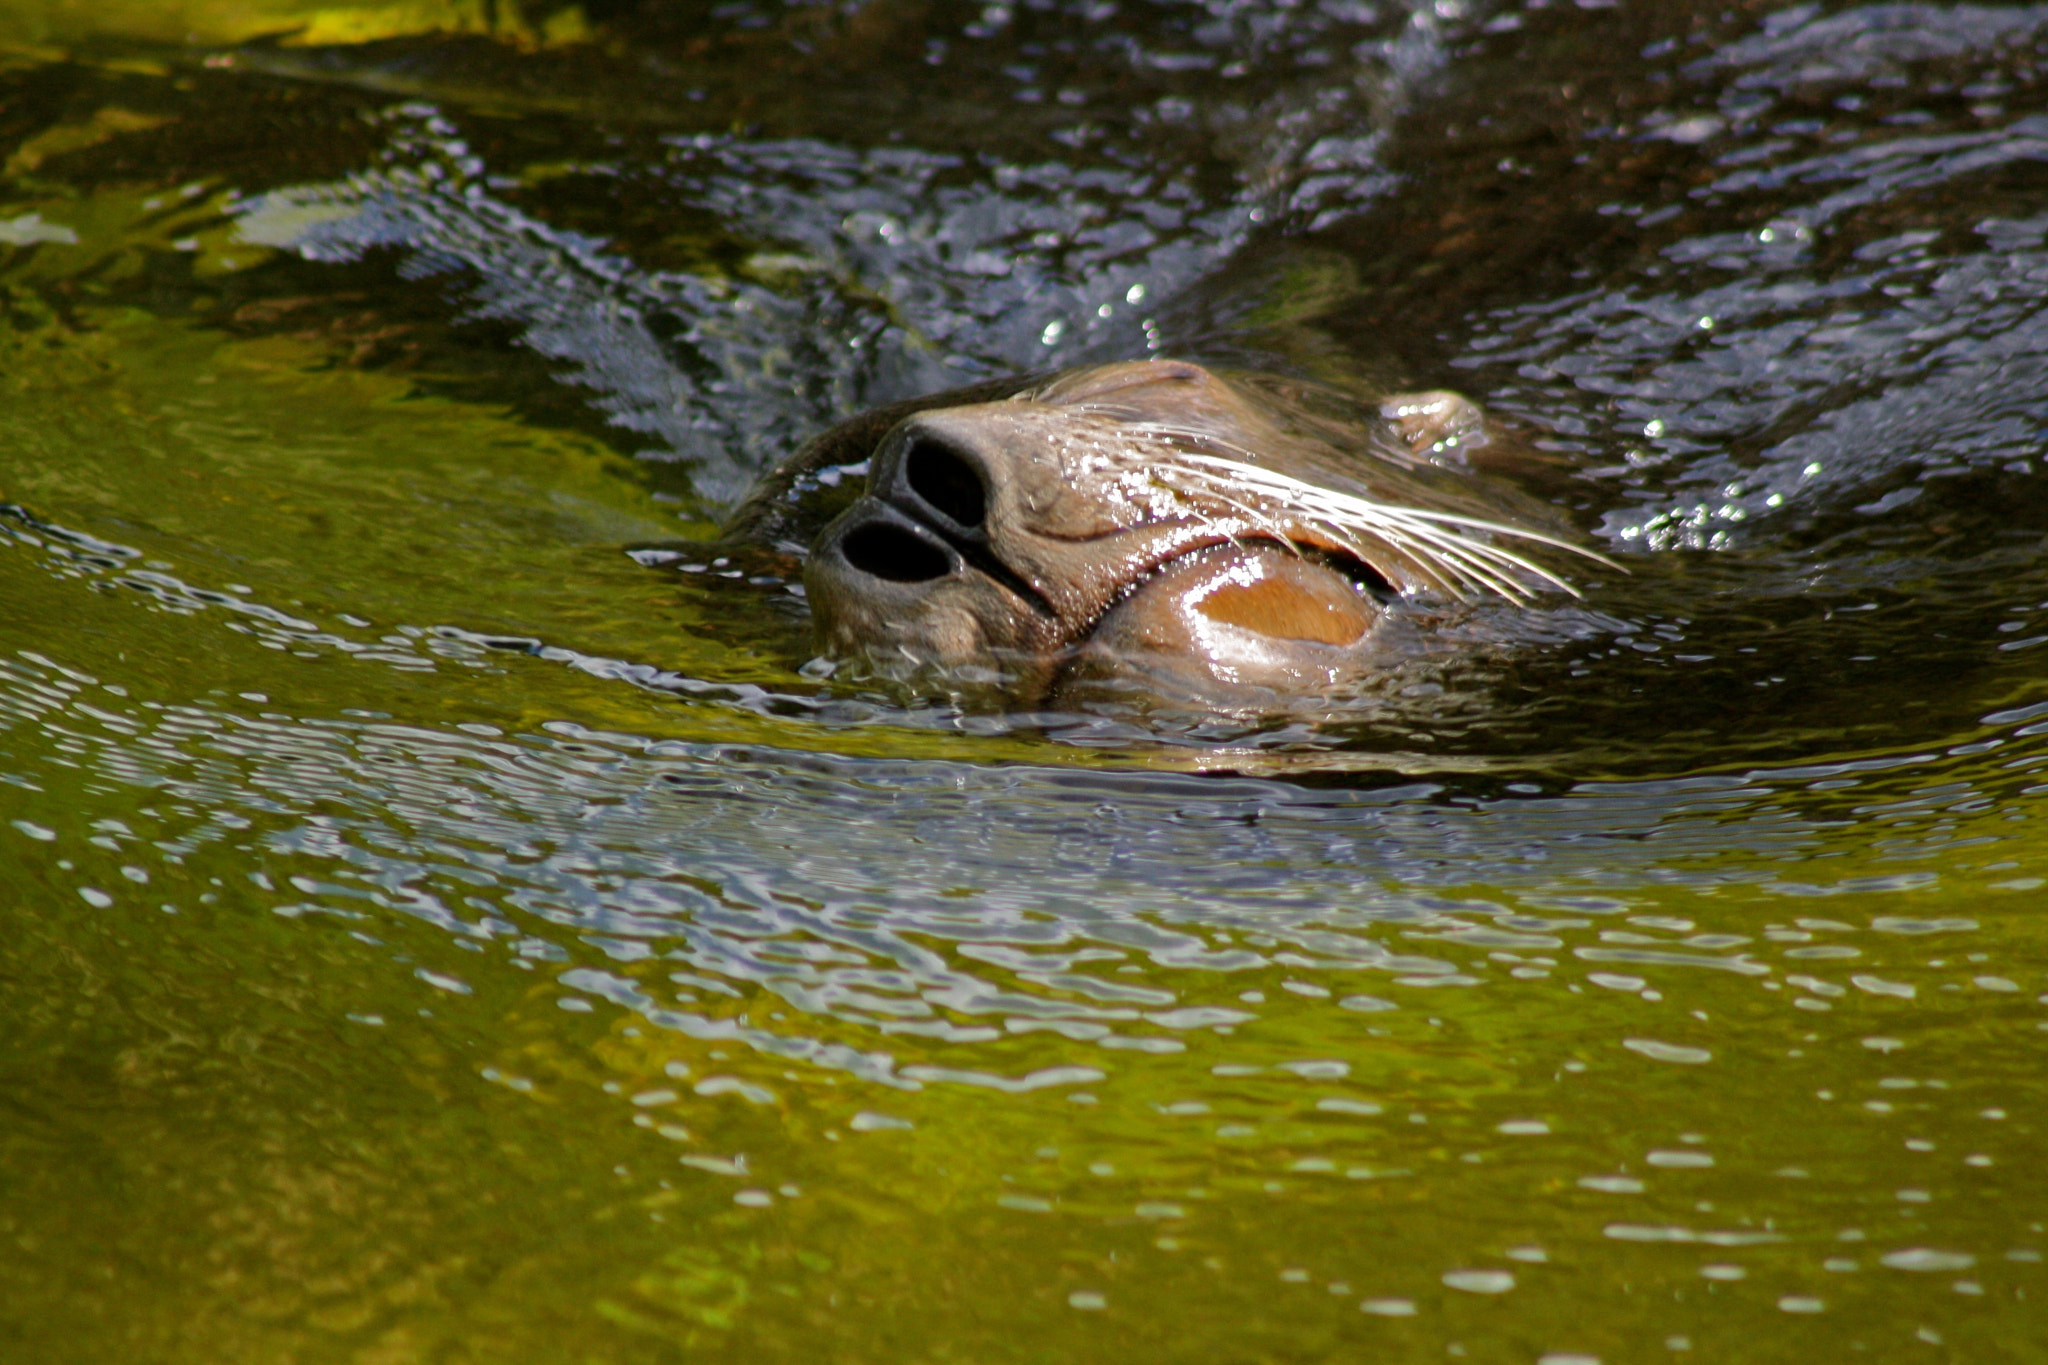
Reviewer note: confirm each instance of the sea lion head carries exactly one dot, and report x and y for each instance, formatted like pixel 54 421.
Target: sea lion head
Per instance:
pixel 1154 528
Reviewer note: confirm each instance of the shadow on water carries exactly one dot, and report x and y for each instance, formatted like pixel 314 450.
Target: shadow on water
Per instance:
pixel 437 934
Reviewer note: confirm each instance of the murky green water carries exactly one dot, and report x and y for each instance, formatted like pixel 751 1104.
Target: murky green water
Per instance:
pixel 430 933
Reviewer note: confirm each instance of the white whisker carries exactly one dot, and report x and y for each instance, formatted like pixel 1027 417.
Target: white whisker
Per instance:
pixel 1444 546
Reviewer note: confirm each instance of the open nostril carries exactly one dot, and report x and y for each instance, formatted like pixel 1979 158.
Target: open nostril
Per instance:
pixel 895 554
pixel 946 481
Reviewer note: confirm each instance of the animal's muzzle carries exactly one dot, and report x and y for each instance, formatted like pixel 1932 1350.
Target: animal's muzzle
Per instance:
pixel 925 516
pixel 924 513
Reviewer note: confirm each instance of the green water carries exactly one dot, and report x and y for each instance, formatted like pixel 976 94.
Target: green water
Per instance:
pixel 428 933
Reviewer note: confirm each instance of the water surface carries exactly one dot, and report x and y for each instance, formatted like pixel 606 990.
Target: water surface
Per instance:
pixel 432 933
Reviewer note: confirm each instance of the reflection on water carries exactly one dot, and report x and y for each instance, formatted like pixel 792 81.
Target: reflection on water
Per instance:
pixel 430 934
pixel 1263 999
pixel 825 277
pixel 1848 345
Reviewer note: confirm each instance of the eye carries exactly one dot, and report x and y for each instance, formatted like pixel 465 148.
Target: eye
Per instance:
pixel 1363 576
pixel 946 481
pixel 892 553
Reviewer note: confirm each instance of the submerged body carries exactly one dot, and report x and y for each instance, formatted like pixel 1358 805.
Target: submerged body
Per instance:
pixel 1149 530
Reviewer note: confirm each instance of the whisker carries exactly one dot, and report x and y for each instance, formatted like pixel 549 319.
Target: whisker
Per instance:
pixel 1442 544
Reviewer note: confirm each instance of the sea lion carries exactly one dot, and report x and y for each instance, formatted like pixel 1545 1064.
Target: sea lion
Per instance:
pixel 1149 529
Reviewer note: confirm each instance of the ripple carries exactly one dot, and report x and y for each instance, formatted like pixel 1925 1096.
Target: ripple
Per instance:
pixel 1480 1281
pixel 1927 1259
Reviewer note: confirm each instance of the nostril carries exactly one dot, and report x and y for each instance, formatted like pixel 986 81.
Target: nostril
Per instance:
pixel 895 554
pixel 947 482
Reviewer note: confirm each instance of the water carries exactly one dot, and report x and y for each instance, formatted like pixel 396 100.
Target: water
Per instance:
pixel 432 934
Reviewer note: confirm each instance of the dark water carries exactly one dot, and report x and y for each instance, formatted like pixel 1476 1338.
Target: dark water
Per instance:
pixel 429 933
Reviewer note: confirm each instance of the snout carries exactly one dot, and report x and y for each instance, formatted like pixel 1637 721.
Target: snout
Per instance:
pixel 991 537
pixel 907 578
pixel 925 516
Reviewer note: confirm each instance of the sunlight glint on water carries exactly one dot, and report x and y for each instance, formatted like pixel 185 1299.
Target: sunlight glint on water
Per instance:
pixel 432 934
